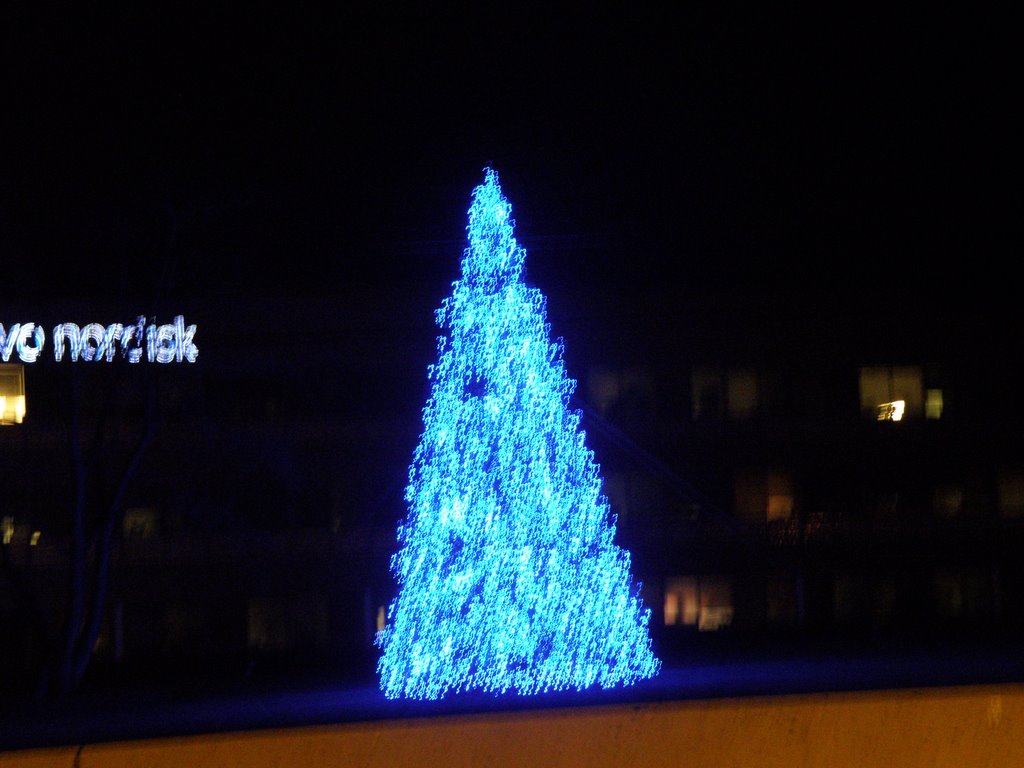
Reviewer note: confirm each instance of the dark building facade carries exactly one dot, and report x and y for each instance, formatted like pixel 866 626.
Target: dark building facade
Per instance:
pixel 779 472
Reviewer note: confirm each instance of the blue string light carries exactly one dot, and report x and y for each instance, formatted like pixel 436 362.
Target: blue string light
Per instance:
pixel 508 576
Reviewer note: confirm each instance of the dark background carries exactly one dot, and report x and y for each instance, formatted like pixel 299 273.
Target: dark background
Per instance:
pixel 862 154
pixel 861 167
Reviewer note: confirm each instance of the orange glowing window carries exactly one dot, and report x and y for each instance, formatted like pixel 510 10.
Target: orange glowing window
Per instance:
pixel 701 601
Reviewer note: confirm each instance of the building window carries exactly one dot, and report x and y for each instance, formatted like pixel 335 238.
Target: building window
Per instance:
pixel 741 393
pixel 892 392
pixel 948 501
pixel 609 388
pixel 865 599
pixel 780 599
pixel 764 496
pixel 960 594
pixel 278 624
pixel 718 392
pixel 1011 493
pixel 12 393
pixel 701 601
pixel 933 404
pixel 141 523
pixel 780 496
pixel 631 492
pixel 706 389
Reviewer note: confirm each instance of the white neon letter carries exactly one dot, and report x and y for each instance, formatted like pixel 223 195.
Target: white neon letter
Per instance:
pixel 71 333
pixel 186 349
pixel 29 353
pixel 110 339
pixel 8 340
pixel 93 332
pixel 164 345
pixel 133 351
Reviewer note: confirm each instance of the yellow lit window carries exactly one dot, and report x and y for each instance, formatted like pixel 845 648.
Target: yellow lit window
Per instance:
pixel 891 411
pixel 701 601
pixel 12 393
pixel 891 392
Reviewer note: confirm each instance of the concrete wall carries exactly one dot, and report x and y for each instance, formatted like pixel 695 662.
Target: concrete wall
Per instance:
pixel 968 727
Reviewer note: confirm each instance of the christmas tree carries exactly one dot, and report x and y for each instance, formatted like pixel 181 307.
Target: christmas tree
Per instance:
pixel 508 575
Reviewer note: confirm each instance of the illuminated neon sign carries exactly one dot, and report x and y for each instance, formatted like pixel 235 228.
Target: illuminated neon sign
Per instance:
pixel 168 343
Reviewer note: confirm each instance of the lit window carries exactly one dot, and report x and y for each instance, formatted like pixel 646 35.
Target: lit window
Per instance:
pixel 891 392
pixel 8 529
pixel 12 393
pixel 933 404
pixel 701 601
pixel 763 497
pixel 891 411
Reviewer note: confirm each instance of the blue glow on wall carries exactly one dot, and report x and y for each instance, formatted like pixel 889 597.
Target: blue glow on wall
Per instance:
pixel 508 576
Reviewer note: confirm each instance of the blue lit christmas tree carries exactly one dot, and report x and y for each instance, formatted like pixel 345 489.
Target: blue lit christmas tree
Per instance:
pixel 508 575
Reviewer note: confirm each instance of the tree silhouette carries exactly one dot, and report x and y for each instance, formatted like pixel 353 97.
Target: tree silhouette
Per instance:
pixel 508 575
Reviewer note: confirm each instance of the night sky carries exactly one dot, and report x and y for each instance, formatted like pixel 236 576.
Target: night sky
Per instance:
pixel 864 158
